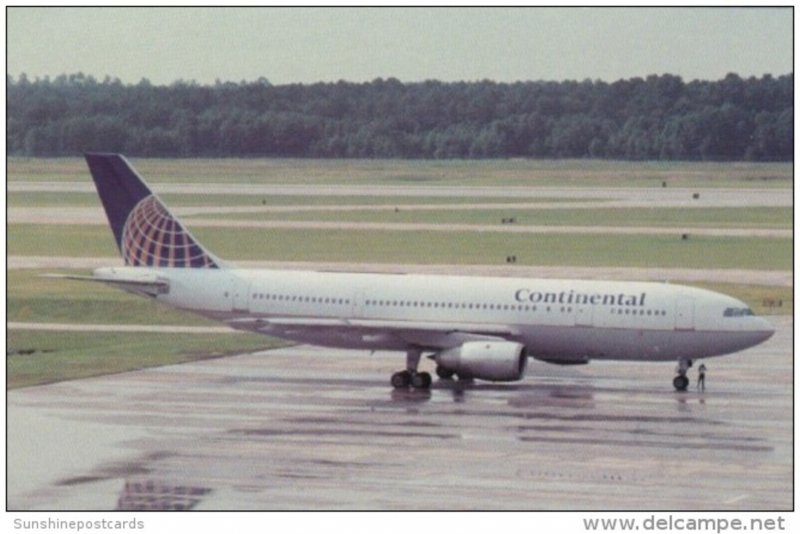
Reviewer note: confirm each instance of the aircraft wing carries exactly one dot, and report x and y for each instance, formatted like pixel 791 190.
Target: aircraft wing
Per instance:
pixel 434 335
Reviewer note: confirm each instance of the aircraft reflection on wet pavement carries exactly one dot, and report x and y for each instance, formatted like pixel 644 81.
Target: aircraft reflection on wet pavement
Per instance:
pixel 150 495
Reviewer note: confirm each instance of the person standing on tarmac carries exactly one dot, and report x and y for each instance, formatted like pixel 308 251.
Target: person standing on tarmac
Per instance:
pixel 701 377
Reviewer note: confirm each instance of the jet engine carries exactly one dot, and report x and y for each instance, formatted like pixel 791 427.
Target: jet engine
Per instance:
pixel 499 361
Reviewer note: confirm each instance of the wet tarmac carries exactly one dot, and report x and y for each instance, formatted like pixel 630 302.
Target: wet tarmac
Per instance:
pixel 311 428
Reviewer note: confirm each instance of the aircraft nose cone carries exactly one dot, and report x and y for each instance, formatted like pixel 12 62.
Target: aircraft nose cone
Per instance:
pixel 764 329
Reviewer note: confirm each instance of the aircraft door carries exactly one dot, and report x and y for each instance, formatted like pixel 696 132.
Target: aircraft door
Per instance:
pixel 240 293
pixel 584 315
pixel 684 313
pixel 357 310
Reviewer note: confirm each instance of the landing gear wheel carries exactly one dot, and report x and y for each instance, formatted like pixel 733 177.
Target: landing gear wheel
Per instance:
pixel 444 372
pixel 421 380
pixel 401 379
pixel 681 383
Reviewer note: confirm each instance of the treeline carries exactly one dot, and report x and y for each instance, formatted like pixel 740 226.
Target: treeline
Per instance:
pixel 657 118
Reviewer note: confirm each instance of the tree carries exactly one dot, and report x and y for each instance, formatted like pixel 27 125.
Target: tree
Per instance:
pixel 659 117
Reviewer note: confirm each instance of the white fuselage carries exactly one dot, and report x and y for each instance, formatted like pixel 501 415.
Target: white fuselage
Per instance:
pixel 563 321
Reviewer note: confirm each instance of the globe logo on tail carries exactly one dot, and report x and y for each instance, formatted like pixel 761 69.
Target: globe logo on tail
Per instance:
pixel 152 237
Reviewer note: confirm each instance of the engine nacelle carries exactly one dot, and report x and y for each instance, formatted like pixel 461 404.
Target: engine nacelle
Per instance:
pixel 500 361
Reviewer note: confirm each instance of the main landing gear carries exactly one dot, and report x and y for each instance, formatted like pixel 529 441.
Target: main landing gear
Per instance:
pixel 681 382
pixel 410 377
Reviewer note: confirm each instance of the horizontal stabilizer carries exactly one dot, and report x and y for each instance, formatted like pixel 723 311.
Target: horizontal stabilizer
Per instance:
pixel 149 284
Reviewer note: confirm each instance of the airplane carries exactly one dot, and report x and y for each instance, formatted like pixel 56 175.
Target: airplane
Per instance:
pixel 482 328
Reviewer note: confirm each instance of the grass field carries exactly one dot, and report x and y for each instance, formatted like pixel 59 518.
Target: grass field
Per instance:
pixel 660 217
pixel 40 357
pixel 516 172
pixel 71 199
pixel 31 298
pixel 44 357
pixel 468 248
pixel 763 300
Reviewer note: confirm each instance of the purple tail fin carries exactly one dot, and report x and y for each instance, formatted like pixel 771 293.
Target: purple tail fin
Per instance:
pixel 147 234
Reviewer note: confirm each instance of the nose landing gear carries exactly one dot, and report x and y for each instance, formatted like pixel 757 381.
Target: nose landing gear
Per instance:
pixel 681 382
pixel 410 377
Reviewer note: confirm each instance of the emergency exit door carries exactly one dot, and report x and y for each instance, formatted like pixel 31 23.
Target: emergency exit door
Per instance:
pixel 684 314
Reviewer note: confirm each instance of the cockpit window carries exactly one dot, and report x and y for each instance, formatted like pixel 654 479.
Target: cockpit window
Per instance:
pixel 738 312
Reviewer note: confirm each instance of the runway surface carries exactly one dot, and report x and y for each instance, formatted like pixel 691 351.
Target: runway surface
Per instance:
pixel 617 196
pixel 96 217
pixel 310 428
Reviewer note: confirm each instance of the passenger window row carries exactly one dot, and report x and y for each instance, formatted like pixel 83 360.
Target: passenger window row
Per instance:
pixel 627 311
pixel 448 305
pixel 453 305
pixel 296 298
pixel 495 307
